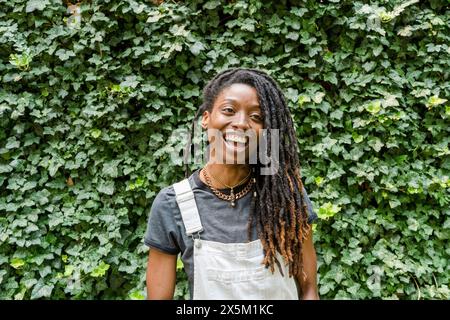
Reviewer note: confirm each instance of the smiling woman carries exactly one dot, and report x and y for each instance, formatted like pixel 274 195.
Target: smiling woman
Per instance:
pixel 242 233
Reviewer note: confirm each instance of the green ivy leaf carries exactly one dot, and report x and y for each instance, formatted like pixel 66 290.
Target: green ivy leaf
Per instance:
pixel 17 263
pixel 106 188
pixel 39 5
pixel 212 4
pixel 196 48
pixel 357 138
pixel 394 203
pixel 328 210
pixel 41 290
pixel 12 143
pixel 435 101
pixel 376 144
pixel 95 133
pixel 64 55
pixel 154 16
pixel 136 295
pixel 68 270
pixel 319 180
pixel 110 168
pixel 373 107
pixel 100 270
pixel 180 264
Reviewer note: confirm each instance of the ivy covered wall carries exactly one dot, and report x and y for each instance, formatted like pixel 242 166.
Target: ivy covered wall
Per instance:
pixel 91 92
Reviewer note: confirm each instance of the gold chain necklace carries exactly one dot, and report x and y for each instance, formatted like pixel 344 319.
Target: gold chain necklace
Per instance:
pixel 231 187
pixel 232 197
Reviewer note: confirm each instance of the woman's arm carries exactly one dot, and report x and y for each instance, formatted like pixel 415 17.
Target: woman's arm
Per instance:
pixel 161 275
pixel 307 288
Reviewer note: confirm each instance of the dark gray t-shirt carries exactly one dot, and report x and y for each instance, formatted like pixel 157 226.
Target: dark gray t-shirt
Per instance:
pixel 221 222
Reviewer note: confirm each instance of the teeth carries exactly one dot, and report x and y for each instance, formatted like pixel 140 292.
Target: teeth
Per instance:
pixel 235 138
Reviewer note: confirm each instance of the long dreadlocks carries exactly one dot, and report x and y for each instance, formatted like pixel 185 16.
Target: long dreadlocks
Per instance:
pixel 280 209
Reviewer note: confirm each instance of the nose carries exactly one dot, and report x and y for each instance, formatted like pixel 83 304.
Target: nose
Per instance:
pixel 241 121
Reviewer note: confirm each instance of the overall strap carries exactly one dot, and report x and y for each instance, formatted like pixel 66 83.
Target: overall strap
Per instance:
pixel 188 207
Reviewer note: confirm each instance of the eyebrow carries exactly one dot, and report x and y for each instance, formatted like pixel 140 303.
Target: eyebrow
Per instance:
pixel 234 100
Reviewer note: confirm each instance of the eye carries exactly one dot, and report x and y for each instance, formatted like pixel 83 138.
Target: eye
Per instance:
pixel 256 117
pixel 228 109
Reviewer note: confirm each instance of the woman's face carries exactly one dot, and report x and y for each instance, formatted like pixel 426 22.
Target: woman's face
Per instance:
pixel 234 124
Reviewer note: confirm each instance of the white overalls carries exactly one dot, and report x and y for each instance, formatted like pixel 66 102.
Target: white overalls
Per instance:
pixel 225 271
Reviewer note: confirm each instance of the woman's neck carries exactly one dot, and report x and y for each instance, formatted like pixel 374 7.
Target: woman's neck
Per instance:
pixel 228 174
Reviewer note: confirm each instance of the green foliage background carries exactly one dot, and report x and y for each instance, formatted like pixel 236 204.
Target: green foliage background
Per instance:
pixel 86 110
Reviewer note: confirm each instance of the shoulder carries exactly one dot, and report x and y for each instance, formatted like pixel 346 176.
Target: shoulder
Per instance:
pixel 166 197
pixel 163 227
pixel 164 204
pixel 165 194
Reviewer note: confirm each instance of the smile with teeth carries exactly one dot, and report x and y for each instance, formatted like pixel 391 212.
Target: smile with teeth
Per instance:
pixel 235 138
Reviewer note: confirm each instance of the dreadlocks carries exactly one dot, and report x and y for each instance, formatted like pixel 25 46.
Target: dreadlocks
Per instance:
pixel 280 210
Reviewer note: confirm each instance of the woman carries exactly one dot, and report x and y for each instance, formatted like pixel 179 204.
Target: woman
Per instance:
pixel 242 233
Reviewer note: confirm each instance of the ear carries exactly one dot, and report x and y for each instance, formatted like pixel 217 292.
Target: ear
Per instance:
pixel 205 119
